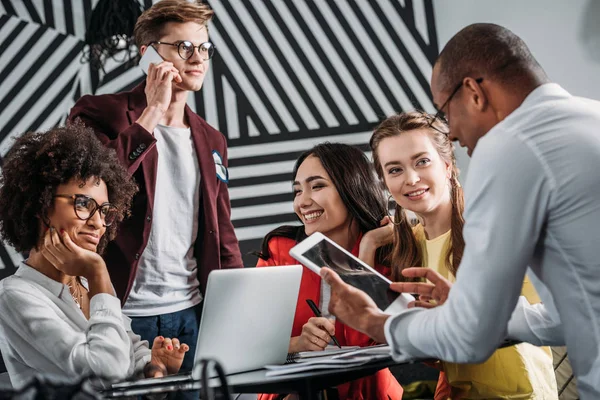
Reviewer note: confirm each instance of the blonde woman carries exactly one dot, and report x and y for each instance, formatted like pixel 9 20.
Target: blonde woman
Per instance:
pixel 415 159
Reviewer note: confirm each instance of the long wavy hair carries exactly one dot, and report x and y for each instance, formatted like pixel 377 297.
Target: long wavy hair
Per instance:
pixel 406 250
pixel 351 173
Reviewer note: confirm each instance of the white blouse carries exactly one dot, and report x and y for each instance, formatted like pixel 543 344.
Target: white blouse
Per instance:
pixel 43 331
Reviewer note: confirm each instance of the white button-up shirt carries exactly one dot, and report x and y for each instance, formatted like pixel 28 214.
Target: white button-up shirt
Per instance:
pixel 43 331
pixel 532 199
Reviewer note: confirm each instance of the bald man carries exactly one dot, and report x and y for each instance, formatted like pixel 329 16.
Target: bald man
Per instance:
pixel 532 199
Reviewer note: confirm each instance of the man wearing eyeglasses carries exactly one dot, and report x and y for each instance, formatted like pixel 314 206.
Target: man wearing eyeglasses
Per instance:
pixel 531 200
pixel 180 228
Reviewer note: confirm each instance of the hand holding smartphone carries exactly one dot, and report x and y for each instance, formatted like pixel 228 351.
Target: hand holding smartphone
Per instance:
pixel 159 87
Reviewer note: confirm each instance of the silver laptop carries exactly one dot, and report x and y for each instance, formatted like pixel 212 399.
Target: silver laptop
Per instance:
pixel 247 319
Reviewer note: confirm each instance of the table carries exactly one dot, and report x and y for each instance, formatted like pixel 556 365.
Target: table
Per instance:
pixel 306 384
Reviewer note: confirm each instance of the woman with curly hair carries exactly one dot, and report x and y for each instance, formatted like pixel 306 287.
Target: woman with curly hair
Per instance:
pixel 62 195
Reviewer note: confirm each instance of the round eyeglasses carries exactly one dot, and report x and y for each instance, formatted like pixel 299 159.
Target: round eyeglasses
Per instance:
pixel 85 207
pixel 185 49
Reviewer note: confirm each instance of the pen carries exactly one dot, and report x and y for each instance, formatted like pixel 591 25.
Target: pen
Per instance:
pixel 317 313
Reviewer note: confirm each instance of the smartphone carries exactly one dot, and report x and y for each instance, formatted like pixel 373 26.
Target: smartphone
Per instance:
pixel 151 56
pixel 318 251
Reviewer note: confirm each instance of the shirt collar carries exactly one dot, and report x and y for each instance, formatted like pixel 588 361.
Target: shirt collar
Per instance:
pixel 543 92
pixel 26 272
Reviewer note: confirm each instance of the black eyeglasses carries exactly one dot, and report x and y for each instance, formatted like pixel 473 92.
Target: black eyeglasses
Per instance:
pixel 440 114
pixel 431 118
pixel 185 49
pixel 85 207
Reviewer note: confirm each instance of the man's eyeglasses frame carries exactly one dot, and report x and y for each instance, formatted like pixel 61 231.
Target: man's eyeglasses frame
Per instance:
pixel 180 50
pixel 440 114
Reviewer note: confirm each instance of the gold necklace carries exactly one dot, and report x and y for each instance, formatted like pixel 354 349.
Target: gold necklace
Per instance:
pixel 75 291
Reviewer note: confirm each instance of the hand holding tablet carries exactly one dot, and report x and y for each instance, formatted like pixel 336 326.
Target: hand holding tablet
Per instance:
pixel 318 251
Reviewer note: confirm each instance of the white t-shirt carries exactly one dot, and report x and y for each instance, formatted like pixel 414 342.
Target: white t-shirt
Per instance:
pixel 532 198
pixel 167 280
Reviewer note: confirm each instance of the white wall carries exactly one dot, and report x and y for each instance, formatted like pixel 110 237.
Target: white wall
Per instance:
pixel 564 36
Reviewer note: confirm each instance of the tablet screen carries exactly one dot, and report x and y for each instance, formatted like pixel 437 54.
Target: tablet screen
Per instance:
pixel 325 254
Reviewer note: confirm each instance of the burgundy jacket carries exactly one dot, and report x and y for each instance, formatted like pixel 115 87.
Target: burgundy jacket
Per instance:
pixel 113 116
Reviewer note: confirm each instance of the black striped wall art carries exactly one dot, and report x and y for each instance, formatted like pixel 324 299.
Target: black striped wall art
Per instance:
pixel 286 75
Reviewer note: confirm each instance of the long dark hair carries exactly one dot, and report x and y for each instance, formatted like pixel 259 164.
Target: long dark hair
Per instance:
pixel 352 175
pixel 406 252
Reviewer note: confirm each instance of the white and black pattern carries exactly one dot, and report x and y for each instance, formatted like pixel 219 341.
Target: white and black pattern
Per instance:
pixel 286 75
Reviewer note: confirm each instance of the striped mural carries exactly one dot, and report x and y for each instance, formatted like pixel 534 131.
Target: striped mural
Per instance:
pixel 286 75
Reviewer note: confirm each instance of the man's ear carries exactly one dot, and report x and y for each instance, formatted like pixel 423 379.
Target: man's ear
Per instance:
pixel 143 49
pixel 475 93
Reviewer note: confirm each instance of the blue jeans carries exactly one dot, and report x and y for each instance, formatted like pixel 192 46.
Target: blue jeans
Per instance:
pixel 182 325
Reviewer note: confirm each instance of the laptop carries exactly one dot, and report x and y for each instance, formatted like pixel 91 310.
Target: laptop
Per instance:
pixel 246 323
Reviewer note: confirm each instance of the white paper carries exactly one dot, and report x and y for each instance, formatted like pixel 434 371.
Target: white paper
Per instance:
pixel 351 359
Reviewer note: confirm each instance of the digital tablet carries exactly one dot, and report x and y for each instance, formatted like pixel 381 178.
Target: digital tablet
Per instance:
pixel 318 251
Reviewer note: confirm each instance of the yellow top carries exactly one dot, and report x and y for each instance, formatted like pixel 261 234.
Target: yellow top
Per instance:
pixel 523 371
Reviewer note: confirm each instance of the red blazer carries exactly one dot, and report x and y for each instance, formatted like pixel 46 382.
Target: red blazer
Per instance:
pixel 113 116
pixel 382 385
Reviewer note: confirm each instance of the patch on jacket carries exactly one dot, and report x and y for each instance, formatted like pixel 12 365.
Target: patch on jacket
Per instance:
pixel 222 171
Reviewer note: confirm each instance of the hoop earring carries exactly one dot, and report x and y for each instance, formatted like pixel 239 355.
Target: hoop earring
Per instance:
pixel 388 212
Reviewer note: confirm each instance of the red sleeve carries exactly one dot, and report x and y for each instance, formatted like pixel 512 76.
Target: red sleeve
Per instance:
pixel 131 144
